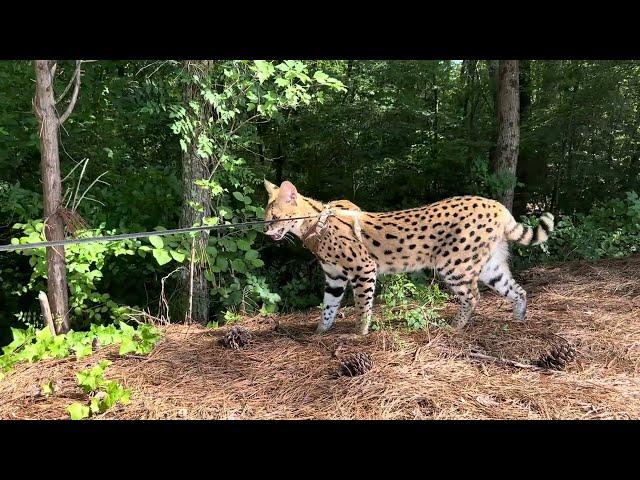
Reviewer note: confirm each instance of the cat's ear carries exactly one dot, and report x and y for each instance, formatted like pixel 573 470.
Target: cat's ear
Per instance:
pixel 272 190
pixel 288 192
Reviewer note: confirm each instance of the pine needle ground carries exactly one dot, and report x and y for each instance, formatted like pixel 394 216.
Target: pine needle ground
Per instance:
pixel 287 372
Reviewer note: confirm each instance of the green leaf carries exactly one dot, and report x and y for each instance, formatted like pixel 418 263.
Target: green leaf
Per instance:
pixel 264 69
pixel 47 388
pixel 243 244
pixel 239 265
pixel 127 330
pixel 125 397
pixel 251 255
pixel 156 241
pixel 321 77
pixel 257 263
pixel 128 345
pixel 161 256
pixel 229 243
pixel 77 411
pixel 177 256
pixel 222 263
pixel 83 351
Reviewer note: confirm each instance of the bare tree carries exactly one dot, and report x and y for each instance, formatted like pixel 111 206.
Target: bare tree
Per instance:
pixel 508 144
pixel 50 122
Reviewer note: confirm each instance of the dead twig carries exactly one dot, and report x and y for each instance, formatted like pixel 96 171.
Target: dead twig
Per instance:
pixel 74 96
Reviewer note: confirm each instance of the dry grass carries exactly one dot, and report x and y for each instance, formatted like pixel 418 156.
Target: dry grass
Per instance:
pixel 290 373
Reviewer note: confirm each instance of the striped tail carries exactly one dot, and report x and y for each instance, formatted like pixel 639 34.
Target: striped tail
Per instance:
pixel 524 235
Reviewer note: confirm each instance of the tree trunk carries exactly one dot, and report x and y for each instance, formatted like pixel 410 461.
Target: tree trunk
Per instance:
pixel 195 168
pixel 506 157
pixel 470 105
pixel 493 73
pixel 493 69
pixel 52 194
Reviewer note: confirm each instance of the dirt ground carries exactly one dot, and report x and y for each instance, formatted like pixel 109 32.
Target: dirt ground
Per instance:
pixel 290 373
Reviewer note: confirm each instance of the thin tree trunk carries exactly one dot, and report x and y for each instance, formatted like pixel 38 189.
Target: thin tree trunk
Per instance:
pixel 508 144
pixel 493 73
pixel 526 163
pixel 493 68
pixel 52 194
pixel 195 168
pixel 470 68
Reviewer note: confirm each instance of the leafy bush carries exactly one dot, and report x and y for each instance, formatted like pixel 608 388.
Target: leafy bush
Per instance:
pixel 85 263
pixel 17 203
pixel 610 230
pixel 409 300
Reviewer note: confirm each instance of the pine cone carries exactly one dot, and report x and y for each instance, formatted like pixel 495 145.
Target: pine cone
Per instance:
pixel 356 364
pixel 236 338
pixel 558 356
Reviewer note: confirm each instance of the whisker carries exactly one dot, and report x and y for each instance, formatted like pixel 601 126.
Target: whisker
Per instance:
pixel 290 238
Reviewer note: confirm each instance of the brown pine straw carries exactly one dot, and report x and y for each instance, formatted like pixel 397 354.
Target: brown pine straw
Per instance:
pixel 290 373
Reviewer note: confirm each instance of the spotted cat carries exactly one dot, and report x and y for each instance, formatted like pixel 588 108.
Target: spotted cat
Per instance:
pixel 463 238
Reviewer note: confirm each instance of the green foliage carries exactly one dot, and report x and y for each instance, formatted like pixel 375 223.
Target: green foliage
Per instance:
pixel 17 203
pixel 105 393
pixel 489 184
pixel 32 345
pixel 411 302
pixel 85 265
pixel 237 94
pixel 610 230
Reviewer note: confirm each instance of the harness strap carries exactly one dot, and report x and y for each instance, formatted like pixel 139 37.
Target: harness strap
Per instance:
pixel 316 232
